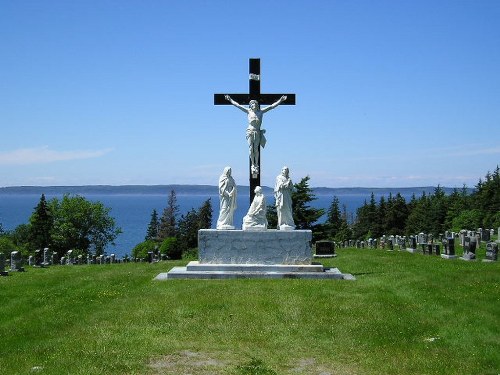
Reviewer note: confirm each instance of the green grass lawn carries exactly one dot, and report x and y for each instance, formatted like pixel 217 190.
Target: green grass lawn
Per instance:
pixel 405 314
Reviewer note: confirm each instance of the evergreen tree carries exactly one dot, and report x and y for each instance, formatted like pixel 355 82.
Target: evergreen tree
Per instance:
pixel 205 215
pixel 41 223
pixel 438 207
pixel 344 233
pixel 396 215
pixel 304 215
pixel 188 230
pixel 379 225
pixel 334 219
pixel 153 227
pixel 168 220
pixel 487 199
pixel 418 219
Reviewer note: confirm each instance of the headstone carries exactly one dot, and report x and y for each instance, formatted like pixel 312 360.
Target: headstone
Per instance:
pixel 491 252
pixel 325 249
pixel 485 235
pixel 2 265
pixel 16 262
pixel 54 258
pixel 31 261
pixel 448 248
pixel 469 248
pixel 63 261
pixel 70 257
pixel 46 257
pixel 38 258
pixel 428 248
pixel 437 249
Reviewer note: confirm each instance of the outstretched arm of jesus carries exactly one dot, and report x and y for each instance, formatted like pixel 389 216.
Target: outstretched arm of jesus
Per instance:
pixel 275 104
pixel 235 103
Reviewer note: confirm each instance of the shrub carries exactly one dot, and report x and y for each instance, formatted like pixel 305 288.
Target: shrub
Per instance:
pixel 141 250
pixel 171 248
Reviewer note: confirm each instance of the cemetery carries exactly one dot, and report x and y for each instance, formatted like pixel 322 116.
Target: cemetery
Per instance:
pixel 254 299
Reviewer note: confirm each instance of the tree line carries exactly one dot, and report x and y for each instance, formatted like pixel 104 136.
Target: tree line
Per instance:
pixel 430 213
pixel 172 235
pixel 72 222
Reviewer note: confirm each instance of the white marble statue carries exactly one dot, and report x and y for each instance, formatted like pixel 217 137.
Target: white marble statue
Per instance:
pixel 255 135
pixel 227 196
pixel 283 195
pixel 256 218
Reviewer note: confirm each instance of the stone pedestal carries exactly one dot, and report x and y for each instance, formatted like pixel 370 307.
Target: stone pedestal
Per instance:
pixel 230 254
pixel 254 247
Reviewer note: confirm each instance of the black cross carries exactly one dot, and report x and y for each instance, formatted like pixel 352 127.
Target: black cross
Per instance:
pixel 263 99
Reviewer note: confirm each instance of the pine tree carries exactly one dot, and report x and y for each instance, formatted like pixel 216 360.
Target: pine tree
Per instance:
pixel 41 223
pixel 205 215
pixel 153 227
pixel 334 219
pixel 168 219
pixel 304 215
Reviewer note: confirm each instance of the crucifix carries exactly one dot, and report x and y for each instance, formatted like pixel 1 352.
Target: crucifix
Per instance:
pixel 254 134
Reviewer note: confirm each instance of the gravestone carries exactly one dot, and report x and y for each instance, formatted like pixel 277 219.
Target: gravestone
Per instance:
pixel 325 249
pixel 437 249
pixel 47 261
pixel 70 258
pixel 485 235
pixel 31 261
pixel 16 262
pixel 469 248
pixel 448 248
pixel 54 258
pixel 38 258
pixel 63 261
pixel 2 265
pixel 491 252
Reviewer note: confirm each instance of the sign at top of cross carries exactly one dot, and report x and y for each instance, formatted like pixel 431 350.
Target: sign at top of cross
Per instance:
pixel 254 135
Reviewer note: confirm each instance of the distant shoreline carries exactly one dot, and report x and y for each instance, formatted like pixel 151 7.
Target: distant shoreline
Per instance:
pixel 207 190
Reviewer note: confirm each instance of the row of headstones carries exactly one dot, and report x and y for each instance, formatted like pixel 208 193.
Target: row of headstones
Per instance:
pixel 469 240
pixel 16 260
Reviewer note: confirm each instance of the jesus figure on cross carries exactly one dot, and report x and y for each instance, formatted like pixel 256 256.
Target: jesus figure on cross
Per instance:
pixel 254 134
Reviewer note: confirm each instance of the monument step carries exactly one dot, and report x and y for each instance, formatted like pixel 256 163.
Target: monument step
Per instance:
pixel 197 266
pixel 257 273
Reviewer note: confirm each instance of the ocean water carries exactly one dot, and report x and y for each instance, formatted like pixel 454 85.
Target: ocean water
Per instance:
pixel 132 212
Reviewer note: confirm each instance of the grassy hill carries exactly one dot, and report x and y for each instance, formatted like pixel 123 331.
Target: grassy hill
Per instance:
pixel 405 314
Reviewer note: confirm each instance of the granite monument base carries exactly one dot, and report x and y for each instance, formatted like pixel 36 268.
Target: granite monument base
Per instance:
pixel 234 254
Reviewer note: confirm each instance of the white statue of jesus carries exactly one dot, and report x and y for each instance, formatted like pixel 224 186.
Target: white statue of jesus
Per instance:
pixel 255 135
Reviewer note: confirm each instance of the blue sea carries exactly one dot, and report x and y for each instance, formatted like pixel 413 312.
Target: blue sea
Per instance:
pixel 132 212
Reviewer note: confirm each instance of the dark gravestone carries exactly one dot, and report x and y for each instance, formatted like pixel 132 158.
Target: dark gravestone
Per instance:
pixel 38 258
pixel 485 235
pixel 150 256
pixel 325 248
pixel 437 249
pixel 413 243
pixel 428 248
pixel 449 246
pixel 2 265
pixel 469 248
pixel 492 251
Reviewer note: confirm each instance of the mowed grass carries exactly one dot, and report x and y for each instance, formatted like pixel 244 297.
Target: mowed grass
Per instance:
pixel 405 314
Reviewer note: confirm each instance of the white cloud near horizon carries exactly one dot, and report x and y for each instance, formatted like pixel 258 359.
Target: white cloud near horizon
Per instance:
pixel 44 155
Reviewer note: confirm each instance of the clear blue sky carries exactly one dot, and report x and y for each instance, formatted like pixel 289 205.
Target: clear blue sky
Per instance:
pixel 389 93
